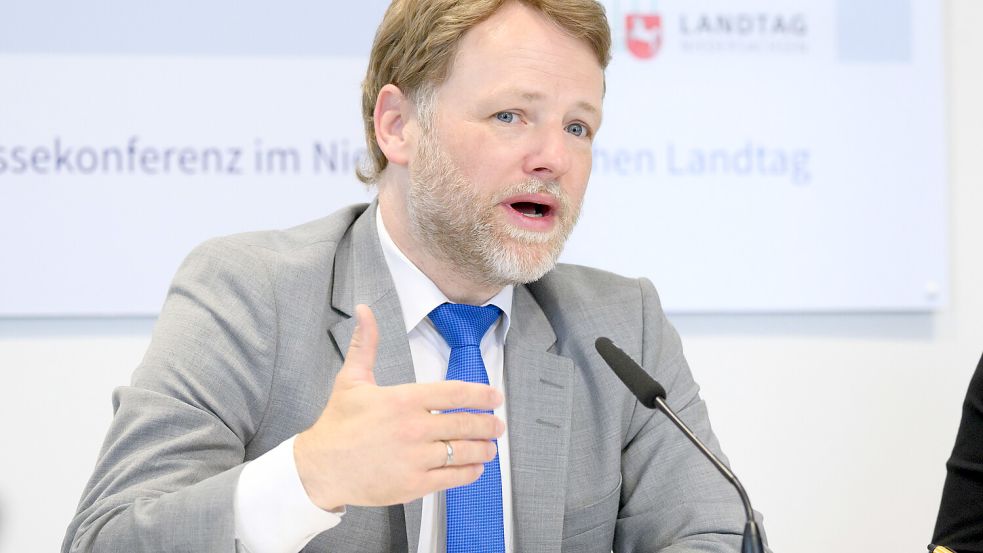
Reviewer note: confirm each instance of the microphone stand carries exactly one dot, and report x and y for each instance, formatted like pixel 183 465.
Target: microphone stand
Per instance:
pixel 752 534
pixel 651 394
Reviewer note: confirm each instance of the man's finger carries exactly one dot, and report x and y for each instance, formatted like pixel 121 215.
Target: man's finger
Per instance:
pixel 466 452
pixel 454 394
pixel 360 358
pixel 465 426
pixel 453 476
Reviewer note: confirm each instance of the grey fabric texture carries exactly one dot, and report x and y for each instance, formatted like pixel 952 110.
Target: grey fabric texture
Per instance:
pixel 253 332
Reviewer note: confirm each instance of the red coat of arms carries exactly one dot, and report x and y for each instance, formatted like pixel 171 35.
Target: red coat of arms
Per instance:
pixel 644 34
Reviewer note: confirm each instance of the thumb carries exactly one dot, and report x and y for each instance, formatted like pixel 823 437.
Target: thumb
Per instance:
pixel 360 358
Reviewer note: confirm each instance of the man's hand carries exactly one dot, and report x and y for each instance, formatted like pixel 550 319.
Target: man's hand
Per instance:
pixel 375 446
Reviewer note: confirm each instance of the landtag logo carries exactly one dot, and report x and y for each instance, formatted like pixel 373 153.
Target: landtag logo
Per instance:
pixel 643 33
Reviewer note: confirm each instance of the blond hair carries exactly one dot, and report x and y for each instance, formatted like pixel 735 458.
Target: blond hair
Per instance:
pixel 416 42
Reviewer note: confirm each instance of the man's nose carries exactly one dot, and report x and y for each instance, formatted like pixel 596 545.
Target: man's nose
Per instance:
pixel 549 154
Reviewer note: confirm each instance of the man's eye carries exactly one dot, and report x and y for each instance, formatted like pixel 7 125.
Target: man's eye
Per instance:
pixel 577 129
pixel 505 116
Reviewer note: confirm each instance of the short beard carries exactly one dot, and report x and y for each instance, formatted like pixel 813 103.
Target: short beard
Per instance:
pixel 454 224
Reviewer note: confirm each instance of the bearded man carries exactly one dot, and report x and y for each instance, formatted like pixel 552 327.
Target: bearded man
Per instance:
pixel 418 374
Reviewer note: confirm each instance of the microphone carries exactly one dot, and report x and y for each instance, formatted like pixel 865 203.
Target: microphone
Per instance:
pixel 652 395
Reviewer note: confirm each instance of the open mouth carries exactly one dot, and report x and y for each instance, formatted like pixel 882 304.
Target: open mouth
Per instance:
pixel 532 209
pixel 535 212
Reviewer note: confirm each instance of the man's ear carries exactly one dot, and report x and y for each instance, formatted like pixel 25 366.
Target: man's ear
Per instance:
pixel 392 113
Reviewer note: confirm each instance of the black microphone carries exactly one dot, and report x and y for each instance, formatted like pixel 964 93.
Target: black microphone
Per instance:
pixel 652 395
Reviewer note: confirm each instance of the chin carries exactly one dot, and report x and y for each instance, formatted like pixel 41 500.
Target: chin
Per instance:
pixel 519 262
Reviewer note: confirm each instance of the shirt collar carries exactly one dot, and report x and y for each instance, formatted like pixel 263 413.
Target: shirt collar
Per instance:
pixel 418 295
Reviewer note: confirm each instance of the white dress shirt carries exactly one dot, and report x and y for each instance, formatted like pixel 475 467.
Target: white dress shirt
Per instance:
pixel 273 513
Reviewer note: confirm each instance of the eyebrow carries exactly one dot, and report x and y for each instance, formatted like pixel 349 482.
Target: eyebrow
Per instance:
pixel 534 96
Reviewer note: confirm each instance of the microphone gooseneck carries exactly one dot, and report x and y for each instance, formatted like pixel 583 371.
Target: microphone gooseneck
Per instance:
pixel 652 395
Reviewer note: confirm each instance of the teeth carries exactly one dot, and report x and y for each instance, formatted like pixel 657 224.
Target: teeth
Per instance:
pixel 534 214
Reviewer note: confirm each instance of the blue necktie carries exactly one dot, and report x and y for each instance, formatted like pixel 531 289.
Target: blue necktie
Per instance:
pixel 474 512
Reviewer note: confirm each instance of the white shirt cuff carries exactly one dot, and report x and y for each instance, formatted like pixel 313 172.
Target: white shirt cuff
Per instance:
pixel 273 513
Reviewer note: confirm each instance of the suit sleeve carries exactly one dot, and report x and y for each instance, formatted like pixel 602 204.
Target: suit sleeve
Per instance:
pixel 673 499
pixel 166 475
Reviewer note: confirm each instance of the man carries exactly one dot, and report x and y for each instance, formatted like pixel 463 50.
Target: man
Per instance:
pixel 303 390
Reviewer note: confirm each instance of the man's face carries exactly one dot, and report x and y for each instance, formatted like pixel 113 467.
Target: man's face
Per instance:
pixel 498 175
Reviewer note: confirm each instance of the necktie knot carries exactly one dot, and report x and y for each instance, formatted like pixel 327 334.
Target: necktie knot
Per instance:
pixel 463 325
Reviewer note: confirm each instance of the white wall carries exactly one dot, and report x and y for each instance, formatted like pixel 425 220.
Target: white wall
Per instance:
pixel 839 426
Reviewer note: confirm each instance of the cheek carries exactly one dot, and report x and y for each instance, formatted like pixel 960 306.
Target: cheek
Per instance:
pixel 579 176
pixel 467 146
pixel 488 165
pixel 576 195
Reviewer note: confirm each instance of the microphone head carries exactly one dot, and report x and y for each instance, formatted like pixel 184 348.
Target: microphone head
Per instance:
pixel 645 388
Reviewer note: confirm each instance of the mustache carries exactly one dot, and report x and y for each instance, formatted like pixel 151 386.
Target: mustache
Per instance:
pixel 533 185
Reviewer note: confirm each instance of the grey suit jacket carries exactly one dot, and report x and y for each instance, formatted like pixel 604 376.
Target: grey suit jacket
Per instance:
pixel 252 333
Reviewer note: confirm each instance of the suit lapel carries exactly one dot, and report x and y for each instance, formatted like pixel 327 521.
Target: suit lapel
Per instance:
pixel 361 276
pixel 539 390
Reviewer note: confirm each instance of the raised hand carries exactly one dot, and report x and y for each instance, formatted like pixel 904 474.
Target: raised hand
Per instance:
pixel 375 446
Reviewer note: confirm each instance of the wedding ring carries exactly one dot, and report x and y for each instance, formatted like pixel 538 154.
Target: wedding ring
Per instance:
pixel 450 454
